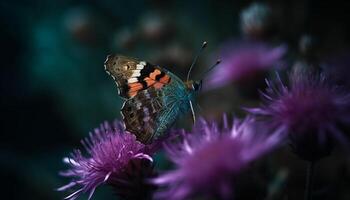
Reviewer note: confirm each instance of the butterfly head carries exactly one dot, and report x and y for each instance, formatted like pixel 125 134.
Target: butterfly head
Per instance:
pixel 193 86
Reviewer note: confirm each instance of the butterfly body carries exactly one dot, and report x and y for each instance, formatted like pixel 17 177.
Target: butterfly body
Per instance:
pixel 154 97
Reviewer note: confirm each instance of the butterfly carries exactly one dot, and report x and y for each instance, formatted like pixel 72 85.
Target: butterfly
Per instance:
pixel 154 97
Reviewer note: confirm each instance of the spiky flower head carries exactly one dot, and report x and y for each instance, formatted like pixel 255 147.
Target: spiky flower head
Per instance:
pixel 208 159
pixel 114 157
pixel 244 61
pixel 309 111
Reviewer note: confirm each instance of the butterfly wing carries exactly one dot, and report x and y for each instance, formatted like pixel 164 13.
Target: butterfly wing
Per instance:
pixel 150 113
pixel 133 76
pixel 143 85
pixel 141 113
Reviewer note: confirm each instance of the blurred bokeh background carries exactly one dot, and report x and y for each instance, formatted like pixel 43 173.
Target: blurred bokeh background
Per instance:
pixel 54 89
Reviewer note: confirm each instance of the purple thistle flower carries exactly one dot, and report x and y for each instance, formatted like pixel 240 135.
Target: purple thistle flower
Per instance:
pixel 244 61
pixel 209 158
pixel 309 112
pixel 115 158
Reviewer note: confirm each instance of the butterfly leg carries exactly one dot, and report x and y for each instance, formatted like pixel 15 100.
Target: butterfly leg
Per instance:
pixel 192 111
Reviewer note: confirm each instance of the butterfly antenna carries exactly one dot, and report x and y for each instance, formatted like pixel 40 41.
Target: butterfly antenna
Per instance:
pixel 195 59
pixel 211 68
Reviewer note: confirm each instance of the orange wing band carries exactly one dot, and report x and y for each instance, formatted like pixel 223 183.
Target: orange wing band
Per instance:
pixel 134 88
pixel 154 74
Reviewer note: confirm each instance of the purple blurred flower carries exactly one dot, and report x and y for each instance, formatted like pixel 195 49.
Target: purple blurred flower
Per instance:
pixel 244 61
pixel 115 158
pixel 309 112
pixel 209 158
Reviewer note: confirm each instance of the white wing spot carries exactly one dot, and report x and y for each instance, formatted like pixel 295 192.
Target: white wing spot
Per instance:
pixel 132 80
pixel 139 66
pixel 136 73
